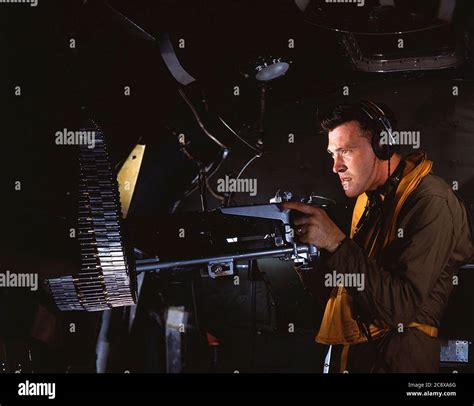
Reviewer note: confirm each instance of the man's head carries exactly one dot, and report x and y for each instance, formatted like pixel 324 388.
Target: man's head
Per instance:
pixel 350 134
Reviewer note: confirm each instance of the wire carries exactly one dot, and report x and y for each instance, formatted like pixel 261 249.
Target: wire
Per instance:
pixel 212 192
pixel 240 174
pixel 388 156
pixel 247 164
pixel 196 115
pixel 238 136
pixel 195 304
pixel 192 189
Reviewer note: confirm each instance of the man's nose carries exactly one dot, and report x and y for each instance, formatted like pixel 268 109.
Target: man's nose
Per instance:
pixel 338 165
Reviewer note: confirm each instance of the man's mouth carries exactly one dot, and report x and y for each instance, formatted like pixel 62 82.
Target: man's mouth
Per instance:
pixel 345 183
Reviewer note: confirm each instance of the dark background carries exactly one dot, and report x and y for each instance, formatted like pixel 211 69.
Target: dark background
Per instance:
pixel 63 86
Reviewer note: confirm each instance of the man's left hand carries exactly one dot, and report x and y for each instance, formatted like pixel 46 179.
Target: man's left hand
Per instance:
pixel 315 227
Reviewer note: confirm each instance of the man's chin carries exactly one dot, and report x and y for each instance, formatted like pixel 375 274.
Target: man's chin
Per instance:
pixel 351 193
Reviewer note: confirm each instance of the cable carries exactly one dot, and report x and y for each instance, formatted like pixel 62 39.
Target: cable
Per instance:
pixel 253 315
pixel 196 115
pixel 240 174
pixel 247 164
pixel 238 136
pixel 195 304
pixel 389 158
pixel 194 186
pixel 212 192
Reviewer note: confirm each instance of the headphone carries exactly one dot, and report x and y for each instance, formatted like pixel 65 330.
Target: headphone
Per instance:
pixel 384 145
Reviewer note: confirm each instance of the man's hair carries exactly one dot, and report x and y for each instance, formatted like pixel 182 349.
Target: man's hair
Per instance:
pixel 335 116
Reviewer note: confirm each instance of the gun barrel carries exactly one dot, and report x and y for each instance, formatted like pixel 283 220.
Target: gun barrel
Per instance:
pixel 153 264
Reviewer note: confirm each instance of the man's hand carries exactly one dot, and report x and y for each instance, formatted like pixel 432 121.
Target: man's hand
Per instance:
pixel 315 227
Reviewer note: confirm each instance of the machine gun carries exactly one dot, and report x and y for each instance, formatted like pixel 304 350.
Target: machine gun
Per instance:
pixel 222 237
pixel 114 250
pixel 212 241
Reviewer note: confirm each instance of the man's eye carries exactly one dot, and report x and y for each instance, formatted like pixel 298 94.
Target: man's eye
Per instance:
pixel 345 151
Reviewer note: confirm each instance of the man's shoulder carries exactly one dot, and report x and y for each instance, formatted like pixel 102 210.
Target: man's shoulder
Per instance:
pixel 434 186
pixel 434 200
pixel 432 193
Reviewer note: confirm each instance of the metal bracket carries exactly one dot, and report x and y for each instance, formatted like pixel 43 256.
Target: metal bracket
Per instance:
pixel 221 268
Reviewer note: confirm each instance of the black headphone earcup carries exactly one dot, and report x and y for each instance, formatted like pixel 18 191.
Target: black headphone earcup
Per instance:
pixel 381 148
pixel 377 147
pixel 380 143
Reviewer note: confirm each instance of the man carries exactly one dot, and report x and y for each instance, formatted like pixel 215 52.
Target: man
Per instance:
pixel 409 234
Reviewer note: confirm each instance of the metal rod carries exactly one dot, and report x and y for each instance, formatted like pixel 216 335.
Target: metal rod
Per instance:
pixel 253 315
pixel 153 264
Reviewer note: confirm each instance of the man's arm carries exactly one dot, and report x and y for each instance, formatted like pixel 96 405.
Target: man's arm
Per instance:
pixel 395 294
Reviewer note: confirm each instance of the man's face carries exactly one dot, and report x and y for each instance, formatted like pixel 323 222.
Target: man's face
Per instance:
pixel 354 159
